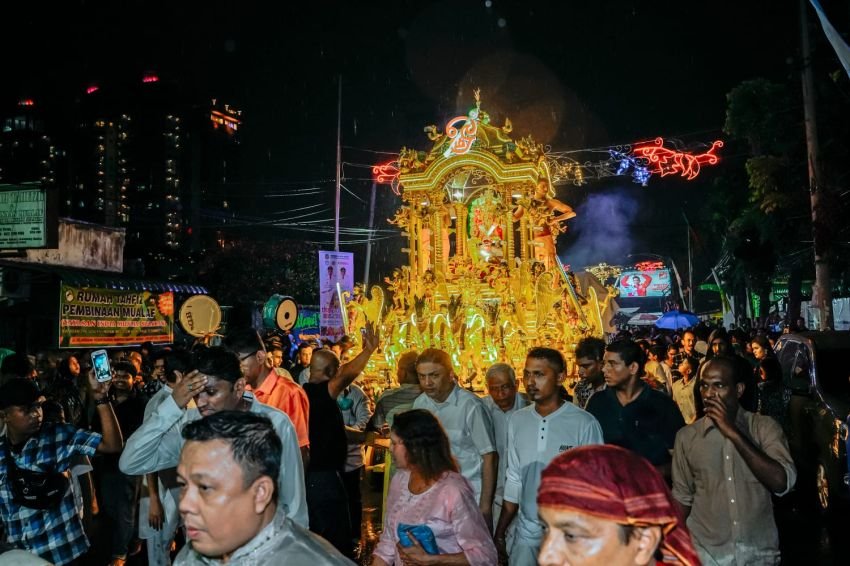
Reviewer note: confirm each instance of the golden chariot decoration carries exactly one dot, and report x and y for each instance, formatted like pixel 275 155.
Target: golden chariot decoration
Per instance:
pixel 483 280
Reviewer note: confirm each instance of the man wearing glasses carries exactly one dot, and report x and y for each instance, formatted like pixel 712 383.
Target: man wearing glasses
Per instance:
pixel 269 387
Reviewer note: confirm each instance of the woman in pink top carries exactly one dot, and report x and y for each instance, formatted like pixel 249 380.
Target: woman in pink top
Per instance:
pixel 428 490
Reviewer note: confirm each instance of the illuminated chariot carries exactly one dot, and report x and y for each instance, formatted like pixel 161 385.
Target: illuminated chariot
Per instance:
pixel 483 280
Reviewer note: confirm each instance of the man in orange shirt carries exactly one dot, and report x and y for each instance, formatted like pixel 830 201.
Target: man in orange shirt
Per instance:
pixel 269 387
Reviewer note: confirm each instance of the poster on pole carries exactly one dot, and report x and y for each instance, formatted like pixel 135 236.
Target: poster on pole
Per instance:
pixel 336 277
pixel 101 318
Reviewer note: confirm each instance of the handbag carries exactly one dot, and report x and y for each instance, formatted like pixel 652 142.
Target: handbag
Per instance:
pixel 423 535
pixel 35 490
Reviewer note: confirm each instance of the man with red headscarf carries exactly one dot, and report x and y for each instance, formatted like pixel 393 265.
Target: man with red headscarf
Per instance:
pixel 607 505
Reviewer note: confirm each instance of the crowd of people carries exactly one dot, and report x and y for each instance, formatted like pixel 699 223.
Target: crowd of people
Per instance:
pixel 658 448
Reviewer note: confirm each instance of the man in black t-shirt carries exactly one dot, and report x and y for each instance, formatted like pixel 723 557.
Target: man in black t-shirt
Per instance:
pixel 326 498
pixel 632 414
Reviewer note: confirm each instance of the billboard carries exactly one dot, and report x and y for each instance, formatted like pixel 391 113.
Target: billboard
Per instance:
pixel 336 276
pixel 23 217
pixel 654 283
pixel 98 318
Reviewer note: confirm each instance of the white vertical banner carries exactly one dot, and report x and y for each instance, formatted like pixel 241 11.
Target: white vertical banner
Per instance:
pixel 336 276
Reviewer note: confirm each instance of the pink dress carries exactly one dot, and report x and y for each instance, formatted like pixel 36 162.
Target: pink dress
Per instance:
pixel 449 508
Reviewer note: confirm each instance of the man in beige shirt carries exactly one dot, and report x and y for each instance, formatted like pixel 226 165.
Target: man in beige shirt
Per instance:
pixel 725 467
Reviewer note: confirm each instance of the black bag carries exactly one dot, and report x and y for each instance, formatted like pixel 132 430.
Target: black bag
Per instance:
pixel 35 490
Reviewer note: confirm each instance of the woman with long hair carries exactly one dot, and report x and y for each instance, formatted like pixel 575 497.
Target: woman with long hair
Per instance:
pixel 761 347
pixel 431 512
pixel 772 397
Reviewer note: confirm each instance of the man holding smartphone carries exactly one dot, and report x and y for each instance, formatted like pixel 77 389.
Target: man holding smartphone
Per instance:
pixel 54 533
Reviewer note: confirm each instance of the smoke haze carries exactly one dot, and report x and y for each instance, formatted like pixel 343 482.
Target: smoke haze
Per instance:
pixel 602 230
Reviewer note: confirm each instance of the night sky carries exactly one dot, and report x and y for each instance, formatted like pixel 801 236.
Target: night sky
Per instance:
pixel 573 74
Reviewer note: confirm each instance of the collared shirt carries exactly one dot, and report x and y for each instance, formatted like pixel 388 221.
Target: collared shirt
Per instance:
pixel 683 395
pixel 500 431
pixel 281 542
pixel 647 425
pixel 156 446
pixel 282 393
pixel 469 428
pixel 355 415
pixel 157 399
pixel 731 516
pixel 54 534
pixel 583 391
pixel 533 441
pixel 394 401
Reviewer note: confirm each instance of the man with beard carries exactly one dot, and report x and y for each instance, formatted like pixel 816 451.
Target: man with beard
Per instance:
pixel 536 434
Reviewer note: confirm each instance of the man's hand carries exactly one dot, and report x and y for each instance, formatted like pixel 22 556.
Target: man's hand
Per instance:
pixel 188 387
pixel 716 410
pixel 370 337
pixel 488 518
pixel 155 513
pixel 99 389
pixel 414 555
pixel 502 550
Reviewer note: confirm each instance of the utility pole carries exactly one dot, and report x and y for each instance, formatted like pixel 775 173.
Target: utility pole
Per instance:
pixel 369 237
pixel 690 266
pixel 338 164
pixel 822 290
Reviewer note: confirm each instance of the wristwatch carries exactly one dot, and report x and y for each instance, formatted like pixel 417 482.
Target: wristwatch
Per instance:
pixel 102 401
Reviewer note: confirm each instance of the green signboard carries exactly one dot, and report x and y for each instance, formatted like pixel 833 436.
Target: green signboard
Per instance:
pixel 97 318
pixel 23 217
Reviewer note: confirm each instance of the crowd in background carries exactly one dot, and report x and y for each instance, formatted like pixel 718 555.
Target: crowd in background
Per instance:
pixel 467 468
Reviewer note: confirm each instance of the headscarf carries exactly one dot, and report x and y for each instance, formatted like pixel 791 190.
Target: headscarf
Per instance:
pixel 613 483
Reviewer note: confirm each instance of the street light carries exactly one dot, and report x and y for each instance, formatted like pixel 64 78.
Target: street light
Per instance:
pixel 675 270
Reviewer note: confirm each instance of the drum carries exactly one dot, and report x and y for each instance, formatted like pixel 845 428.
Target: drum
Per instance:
pixel 200 315
pixel 280 312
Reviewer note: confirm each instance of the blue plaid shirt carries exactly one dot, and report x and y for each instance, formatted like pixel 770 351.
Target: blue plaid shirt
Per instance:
pixel 54 534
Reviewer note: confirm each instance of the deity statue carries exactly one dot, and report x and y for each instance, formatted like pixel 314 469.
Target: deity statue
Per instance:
pixel 399 287
pixel 546 214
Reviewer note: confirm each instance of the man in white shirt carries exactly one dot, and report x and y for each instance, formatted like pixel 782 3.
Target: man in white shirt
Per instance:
pixel 158 512
pixel 216 385
pixel 536 434
pixel 502 402
pixel 466 421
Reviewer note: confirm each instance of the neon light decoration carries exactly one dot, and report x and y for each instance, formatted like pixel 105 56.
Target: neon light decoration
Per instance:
pixel 26 102
pixel 387 174
pixel 463 138
pixel 649 265
pixel 92 89
pixel 150 78
pixel 665 161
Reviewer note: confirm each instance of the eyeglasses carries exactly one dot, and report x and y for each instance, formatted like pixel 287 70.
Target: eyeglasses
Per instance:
pixel 246 356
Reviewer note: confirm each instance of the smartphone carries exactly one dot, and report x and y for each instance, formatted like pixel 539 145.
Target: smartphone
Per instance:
pixel 100 363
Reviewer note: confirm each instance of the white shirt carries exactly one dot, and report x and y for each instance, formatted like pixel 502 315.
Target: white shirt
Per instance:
pixel 469 428
pixel 156 445
pixel 500 431
pixel 533 441
pixel 157 399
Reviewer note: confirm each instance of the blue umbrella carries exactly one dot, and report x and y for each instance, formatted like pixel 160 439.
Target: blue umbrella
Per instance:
pixel 674 320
